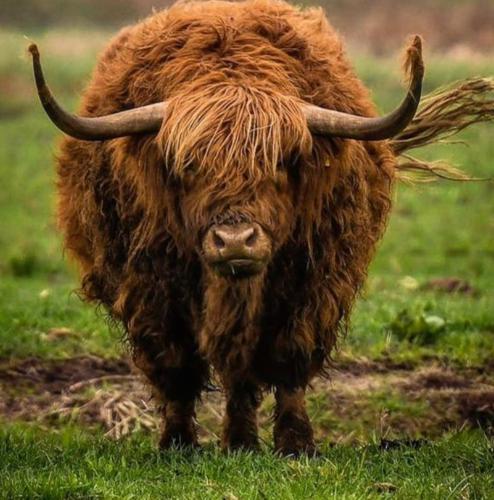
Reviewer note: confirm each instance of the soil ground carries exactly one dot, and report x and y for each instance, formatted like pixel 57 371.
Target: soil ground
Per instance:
pixel 421 401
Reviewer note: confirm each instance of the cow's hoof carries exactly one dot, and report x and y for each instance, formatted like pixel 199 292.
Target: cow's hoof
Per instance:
pixel 240 441
pixel 293 436
pixel 178 437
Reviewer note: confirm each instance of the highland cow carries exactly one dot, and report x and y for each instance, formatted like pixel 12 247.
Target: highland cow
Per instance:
pixel 223 191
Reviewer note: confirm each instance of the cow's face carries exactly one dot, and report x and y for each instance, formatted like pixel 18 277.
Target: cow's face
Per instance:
pixel 244 235
pixel 236 152
pixel 239 223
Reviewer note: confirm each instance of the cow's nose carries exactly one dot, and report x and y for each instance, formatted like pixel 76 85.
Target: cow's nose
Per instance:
pixel 237 249
pixel 233 240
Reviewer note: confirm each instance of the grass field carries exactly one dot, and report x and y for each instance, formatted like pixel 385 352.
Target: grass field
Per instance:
pixel 410 409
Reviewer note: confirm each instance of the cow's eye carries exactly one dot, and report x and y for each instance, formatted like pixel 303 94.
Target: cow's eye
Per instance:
pixel 288 163
pixel 281 179
pixel 188 177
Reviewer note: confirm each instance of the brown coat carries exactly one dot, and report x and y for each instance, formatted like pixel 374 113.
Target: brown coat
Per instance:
pixel 234 145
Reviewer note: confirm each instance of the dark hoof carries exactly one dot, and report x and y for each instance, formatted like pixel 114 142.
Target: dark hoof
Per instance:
pixel 240 441
pixel 240 446
pixel 293 436
pixel 179 438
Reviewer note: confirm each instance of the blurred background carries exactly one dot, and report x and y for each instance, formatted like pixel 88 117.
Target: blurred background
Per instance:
pixel 454 26
pixel 425 324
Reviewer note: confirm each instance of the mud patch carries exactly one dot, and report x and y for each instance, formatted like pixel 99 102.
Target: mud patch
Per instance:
pixel 30 387
pixel 451 285
pixel 362 399
pixel 56 375
pixel 437 379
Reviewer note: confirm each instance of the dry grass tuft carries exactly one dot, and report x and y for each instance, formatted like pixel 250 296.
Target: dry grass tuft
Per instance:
pixel 122 408
pixel 442 115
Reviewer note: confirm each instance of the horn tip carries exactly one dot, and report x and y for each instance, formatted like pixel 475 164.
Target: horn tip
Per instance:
pixel 33 50
pixel 414 63
pixel 417 42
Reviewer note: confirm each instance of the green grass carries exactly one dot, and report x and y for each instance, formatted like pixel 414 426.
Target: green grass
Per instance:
pixel 33 307
pixel 75 464
pixel 439 230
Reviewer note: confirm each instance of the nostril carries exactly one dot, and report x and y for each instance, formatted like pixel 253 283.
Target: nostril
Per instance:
pixel 251 238
pixel 218 241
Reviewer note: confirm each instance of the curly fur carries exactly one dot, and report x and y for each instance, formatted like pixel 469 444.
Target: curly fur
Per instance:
pixel 234 145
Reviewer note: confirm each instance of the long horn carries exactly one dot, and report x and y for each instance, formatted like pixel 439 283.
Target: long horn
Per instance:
pixel 144 119
pixel 336 124
pixel 147 119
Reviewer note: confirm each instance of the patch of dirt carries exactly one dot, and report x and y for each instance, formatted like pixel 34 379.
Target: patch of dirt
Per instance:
pixel 361 398
pixel 437 379
pixel 30 387
pixel 451 285
pixel 477 407
pixel 56 375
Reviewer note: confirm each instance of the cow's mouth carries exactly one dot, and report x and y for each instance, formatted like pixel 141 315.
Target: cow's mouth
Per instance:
pixel 238 268
pixel 236 250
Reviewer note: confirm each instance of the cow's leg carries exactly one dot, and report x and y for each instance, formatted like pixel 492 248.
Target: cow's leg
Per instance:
pixel 165 351
pixel 164 348
pixel 240 422
pixel 178 388
pixel 181 387
pixel 293 433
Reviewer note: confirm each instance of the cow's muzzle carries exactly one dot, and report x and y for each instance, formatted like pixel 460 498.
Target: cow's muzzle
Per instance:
pixel 237 250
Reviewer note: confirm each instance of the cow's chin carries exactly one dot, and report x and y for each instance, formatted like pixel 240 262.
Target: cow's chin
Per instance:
pixel 238 269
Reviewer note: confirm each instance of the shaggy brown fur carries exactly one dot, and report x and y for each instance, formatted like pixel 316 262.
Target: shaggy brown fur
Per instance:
pixel 234 146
